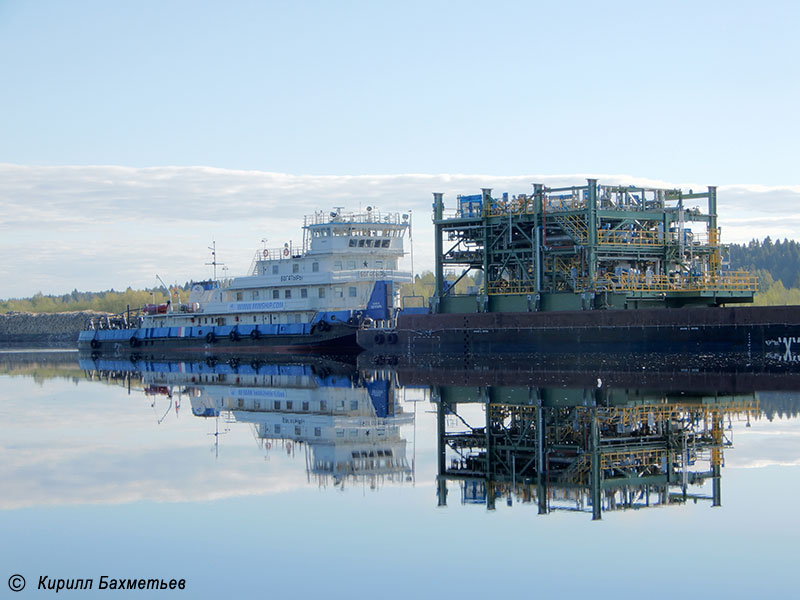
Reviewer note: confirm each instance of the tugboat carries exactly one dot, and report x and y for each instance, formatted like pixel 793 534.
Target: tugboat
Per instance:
pixel 307 298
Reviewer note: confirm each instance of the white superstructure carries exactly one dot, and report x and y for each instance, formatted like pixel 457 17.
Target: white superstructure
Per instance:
pixel 345 262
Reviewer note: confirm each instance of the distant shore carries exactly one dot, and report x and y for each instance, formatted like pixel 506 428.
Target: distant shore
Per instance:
pixel 55 330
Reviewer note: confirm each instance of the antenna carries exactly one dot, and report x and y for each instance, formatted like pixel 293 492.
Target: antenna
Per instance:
pixel 213 248
pixel 216 435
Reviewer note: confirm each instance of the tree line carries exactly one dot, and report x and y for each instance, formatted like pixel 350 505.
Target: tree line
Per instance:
pixel 775 263
pixel 777 266
pixel 110 301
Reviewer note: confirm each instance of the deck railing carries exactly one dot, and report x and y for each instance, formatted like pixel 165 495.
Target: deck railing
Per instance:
pixel 727 281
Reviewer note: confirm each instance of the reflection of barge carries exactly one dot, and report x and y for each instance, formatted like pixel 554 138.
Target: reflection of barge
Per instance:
pixel 590 269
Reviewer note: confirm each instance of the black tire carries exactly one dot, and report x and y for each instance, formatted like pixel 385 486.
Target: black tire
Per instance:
pixel 392 338
pixel 210 337
pixel 234 336
pixel 255 334
pixel 94 344
pixel 379 338
pixel 323 325
pixel 379 360
pixel 134 342
pixel 255 365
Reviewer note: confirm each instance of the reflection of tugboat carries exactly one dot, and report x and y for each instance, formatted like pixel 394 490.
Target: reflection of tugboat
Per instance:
pixel 349 428
pixel 592 449
pixel 347 424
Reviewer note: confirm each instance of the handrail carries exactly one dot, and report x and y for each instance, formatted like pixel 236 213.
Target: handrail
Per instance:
pixel 726 281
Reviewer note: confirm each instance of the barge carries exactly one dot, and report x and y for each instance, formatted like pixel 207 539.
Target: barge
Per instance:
pixel 590 269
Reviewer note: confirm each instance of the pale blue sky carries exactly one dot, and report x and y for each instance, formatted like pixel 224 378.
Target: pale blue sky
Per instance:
pixel 680 90
pixel 697 93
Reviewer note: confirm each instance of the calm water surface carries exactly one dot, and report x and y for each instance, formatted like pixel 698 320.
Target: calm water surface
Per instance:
pixel 251 480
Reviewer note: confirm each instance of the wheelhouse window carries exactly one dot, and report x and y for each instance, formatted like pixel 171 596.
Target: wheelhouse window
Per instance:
pixel 276 294
pixel 337 265
pixel 351 291
pixel 315 267
pixel 287 294
pixel 295 268
pixel 274 269
pixel 303 293
pixel 321 292
pixel 338 292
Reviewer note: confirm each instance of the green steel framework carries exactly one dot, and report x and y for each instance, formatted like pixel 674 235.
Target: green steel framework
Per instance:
pixel 584 247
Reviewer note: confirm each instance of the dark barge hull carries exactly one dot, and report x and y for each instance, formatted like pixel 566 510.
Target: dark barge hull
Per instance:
pixel 339 339
pixel 740 335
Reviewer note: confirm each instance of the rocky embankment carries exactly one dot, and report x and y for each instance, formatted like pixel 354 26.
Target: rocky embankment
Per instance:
pixel 57 330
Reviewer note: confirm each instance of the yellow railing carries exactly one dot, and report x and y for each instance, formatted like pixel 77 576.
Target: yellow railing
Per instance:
pixel 575 226
pixel 728 281
pixel 655 238
pixel 639 457
pixel 620 237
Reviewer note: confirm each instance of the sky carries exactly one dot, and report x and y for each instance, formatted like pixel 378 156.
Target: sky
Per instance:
pixel 134 134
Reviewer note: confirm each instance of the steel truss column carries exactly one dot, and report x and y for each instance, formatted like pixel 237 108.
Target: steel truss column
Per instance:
pixel 591 223
pixel 596 474
pixel 442 456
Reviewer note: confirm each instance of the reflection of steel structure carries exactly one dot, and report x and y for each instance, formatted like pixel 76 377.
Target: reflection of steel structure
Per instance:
pixel 583 449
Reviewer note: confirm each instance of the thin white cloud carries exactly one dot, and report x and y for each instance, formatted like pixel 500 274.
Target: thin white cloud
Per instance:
pixel 97 227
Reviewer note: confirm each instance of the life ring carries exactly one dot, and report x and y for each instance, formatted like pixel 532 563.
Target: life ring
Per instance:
pixel 234 335
pixel 269 445
pixel 286 252
pixel 210 337
pixel 265 253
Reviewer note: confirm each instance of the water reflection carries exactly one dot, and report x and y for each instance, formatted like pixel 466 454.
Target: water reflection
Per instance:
pixel 586 439
pixel 343 422
pixel 584 449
